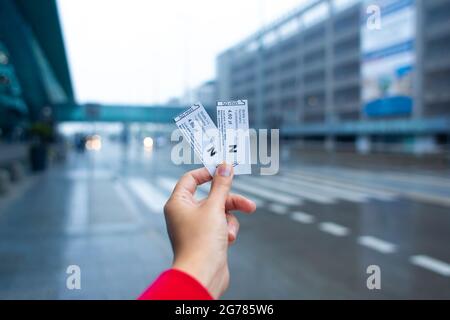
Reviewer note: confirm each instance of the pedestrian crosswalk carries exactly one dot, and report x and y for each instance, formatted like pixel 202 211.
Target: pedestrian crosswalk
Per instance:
pixel 266 193
pixel 292 188
pixel 418 179
pixel 319 190
pixel 295 186
pixel 329 192
pixel 286 195
pixel 149 194
pixel 284 184
pixel 368 192
pixel 384 186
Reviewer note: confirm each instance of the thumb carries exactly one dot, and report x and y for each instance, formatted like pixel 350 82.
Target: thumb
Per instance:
pixel 221 185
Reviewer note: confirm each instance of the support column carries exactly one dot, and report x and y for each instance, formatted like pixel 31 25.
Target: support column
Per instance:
pixel 363 144
pixel 330 143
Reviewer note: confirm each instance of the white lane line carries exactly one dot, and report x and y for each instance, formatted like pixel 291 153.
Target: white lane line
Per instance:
pixel 302 217
pixel 334 229
pixel 431 264
pixel 370 192
pixel 148 194
pixel 329 191
pixel 287 186
pixel 278 208
pixel 267 194
pixel 377 244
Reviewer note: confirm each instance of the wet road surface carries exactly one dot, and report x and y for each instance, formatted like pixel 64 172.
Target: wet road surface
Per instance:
pixel 316 230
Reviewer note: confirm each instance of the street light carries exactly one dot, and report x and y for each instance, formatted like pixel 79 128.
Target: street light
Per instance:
pixel 148 143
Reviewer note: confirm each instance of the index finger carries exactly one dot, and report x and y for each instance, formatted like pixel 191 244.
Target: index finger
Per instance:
pixel 191 179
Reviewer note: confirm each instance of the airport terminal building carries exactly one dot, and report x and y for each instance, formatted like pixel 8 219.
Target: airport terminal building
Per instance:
pixel 345 73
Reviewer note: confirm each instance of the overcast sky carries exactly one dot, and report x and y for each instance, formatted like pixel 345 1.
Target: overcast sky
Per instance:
pixel 147 51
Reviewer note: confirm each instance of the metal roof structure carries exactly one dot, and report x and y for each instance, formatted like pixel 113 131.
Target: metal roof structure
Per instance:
pixel 30 34
pixel 43 18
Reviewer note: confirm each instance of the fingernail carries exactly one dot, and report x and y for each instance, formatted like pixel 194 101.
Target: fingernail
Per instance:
pixel 225 170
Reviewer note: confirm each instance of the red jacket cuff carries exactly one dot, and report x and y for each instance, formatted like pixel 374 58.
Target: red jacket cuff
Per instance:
pixel 176 285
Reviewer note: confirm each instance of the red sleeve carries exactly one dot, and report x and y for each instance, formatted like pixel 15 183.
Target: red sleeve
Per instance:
pixel 175 285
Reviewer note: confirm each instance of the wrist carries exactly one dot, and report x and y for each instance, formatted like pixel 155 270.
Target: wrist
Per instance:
pixel 209 278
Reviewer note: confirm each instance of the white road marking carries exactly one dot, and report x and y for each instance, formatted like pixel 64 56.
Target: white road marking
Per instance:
pixel 124 196
pixel 278 208
pixel 285 185
pixel 148 194
pixel 267 194
pixel 329 191
pixel 431 264
pixel 334 229
pixel 377 244
pixel 418 179
pixel 370 192
pixel 302 217
pixel 371 181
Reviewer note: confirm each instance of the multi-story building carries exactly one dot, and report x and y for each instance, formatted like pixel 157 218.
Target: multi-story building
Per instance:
pixel 206 93
pixel 328 72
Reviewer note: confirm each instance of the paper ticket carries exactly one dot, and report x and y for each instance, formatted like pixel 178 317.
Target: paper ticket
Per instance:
pixel 202 134
pixel 232 120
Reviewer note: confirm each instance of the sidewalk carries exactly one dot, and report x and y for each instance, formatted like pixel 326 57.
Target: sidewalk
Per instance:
pixel 67 217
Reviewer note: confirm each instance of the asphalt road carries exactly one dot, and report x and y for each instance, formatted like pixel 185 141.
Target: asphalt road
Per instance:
pixel 317 229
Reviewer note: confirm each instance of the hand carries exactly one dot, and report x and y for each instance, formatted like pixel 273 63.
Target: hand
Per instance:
pixel 201 231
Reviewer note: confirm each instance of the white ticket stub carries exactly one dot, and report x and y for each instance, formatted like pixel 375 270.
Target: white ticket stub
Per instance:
pixel 232 120
pixel 202 134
